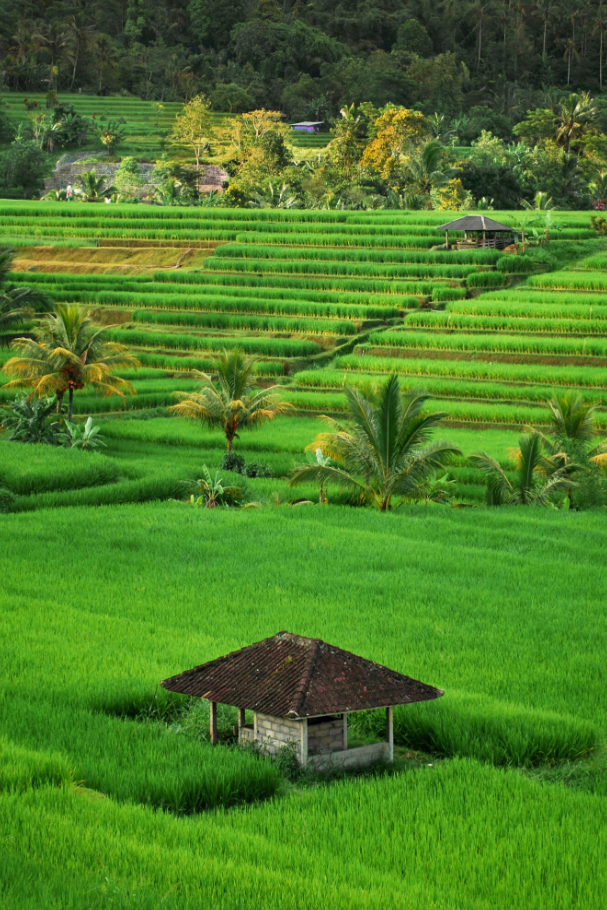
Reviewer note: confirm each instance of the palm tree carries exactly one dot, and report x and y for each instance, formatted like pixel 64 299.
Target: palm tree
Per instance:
pixel 233 403
pixel 542 202
pixel 69 352
pixel 573 430
pixel 91 187
pixel 600 29
pixel 18 303
pixel 81 38
pixel 347 147
pixel 386 452
pixel 572 417
pixel 538 476
pixel 427 169
pixel 544 9
pixel 570 53
pixel 576 112
pixel 56 43
pixel 105 58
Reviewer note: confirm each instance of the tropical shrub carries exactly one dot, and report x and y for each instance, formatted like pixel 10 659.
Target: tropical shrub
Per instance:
pixel 386 453
pixel 233 403
pixel 213 492
pixel 539 479
pixel 30 421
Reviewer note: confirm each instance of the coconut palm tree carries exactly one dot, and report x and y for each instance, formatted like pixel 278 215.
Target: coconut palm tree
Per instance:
pixel 105 58
pixel 576 113
pixel 233 403
pixel 82 37
pixel 572 432
pixel 427 169
pixel 539 477
pixel 68 352
pixel 572 417
pixel 18 303
pixel 385 450
pixel 55 42
pixel 92 188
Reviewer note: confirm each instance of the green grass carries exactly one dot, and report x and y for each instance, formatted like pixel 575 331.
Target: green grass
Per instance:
pixel 272 346
pixel 456 387
pixel 512 626
pixel 583 281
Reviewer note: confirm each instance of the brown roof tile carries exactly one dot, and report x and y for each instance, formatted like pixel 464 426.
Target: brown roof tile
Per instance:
pixel 292 676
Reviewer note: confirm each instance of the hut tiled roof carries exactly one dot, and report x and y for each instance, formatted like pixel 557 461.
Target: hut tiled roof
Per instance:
pixel 474 223
pixel 291 676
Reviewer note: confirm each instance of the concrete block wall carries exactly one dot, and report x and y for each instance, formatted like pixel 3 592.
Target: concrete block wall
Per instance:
pixel 273 733
pixel 246 735
pixel 327 736
pixel 359 757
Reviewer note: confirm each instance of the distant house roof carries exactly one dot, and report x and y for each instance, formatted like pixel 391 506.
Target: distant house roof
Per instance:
pixel 309 123
pixel 474 223
pixel 292 676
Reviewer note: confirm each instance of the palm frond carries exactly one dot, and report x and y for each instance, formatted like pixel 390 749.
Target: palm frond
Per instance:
pixel 324 474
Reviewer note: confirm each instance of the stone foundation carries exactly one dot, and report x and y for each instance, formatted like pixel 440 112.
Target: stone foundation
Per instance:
pixel 360 757
pixel 70 166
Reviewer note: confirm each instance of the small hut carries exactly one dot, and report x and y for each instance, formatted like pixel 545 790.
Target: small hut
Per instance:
pixel 308 126
pixel 479 231
pixel 301 691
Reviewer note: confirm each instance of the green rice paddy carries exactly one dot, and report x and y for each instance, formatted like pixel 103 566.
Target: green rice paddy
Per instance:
pixel 107 797
pixel 110 795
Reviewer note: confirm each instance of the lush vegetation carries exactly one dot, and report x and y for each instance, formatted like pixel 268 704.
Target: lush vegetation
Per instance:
pixel 515 639
pixel 109 790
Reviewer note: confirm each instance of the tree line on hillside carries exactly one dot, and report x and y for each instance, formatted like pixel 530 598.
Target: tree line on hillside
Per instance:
pixel 377 158
pixel 309 59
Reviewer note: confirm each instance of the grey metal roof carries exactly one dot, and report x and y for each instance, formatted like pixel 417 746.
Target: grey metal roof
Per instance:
pixel 309 123
pixel 474 223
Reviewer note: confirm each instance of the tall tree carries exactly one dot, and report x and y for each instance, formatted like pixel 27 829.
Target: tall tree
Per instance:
pixel 55 42
pixel 600 29
pixel 193 127
pixel 82 38
pixel 105 58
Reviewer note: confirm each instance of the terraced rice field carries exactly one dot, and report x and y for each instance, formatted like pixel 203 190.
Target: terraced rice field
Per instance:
pixel 325 299
pixel 147 124
pixel 110 795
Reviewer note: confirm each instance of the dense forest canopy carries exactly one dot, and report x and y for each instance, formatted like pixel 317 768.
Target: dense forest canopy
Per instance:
pixel 310 58
pixel 443 104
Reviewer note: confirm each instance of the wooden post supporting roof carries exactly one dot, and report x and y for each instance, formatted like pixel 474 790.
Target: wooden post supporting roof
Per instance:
pixel 345 730
pixel 390 733
pixel 213 723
